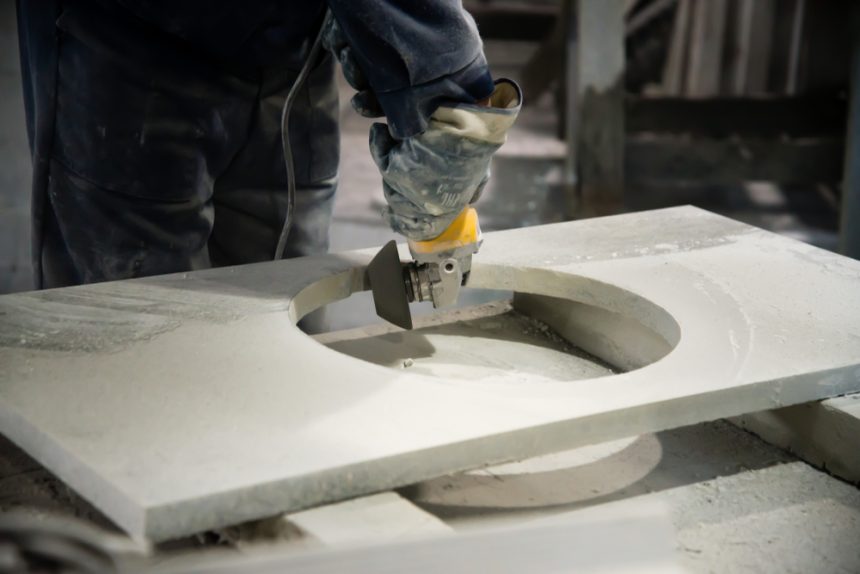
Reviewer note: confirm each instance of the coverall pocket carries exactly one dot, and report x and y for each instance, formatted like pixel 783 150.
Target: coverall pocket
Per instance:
pixel 108 236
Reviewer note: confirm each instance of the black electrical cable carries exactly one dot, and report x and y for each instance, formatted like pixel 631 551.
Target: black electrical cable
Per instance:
pixel 285 137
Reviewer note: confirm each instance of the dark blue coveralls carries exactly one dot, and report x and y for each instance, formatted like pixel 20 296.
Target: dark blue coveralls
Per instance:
pixel 154 125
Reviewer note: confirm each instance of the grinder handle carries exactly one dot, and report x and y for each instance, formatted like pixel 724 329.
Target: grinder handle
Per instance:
pixel 464 230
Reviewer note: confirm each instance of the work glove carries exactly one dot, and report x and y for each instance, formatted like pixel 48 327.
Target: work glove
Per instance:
pixel 430 178
pixel 364 102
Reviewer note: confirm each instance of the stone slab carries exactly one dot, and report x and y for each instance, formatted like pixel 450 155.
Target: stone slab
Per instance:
pixel 826 434
pixel 186 402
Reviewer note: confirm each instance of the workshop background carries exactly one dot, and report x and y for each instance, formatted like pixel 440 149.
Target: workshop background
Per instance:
pixel 736 106
pixel 741 107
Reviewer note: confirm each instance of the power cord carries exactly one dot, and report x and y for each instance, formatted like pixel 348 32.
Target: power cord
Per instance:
pixel 285 137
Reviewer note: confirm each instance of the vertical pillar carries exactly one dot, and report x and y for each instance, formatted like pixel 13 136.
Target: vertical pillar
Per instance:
pixel 793 73
pixel 599 125
pixel 570 115
pixel 752 47
pixel 676 59
pixel 849 237
pixel 706 48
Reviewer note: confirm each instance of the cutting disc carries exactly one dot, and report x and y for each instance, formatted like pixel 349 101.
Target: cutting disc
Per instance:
pixel 385 273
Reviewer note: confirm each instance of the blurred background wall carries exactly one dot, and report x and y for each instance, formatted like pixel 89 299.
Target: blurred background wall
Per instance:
pixel 14 162
pixel 737 106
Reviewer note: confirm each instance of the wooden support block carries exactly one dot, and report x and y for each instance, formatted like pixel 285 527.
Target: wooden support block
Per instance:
pixel 599 145
pixel 377 518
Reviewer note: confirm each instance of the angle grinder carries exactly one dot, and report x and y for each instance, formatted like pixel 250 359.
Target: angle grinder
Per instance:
pixel 440 268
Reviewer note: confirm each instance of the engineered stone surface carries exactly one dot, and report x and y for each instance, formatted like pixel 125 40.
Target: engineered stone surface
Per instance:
pixel 191 401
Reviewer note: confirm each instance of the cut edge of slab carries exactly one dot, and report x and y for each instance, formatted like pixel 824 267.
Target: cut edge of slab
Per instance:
pixel 88 483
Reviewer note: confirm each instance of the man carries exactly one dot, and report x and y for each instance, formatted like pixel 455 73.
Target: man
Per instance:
pixel 155 125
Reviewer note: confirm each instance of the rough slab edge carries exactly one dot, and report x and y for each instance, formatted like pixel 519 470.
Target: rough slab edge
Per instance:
pixel 825 434
pixel 65 466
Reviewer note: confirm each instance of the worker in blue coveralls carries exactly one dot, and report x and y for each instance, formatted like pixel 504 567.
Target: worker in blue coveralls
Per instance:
pixel 154 125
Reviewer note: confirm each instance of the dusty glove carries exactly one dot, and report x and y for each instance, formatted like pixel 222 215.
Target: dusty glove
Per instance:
pixel 364 102
pixel 428 179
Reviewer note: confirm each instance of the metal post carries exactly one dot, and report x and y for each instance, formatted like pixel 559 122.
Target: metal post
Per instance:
pixel 600 106
pixel 571 108
pixel 794 48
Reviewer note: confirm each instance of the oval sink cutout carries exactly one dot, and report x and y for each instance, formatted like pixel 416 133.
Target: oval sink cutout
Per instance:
pixel 491 341
pixel 557 327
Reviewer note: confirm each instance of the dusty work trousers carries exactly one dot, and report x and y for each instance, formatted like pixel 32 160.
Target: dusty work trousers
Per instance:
pixel 151 158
